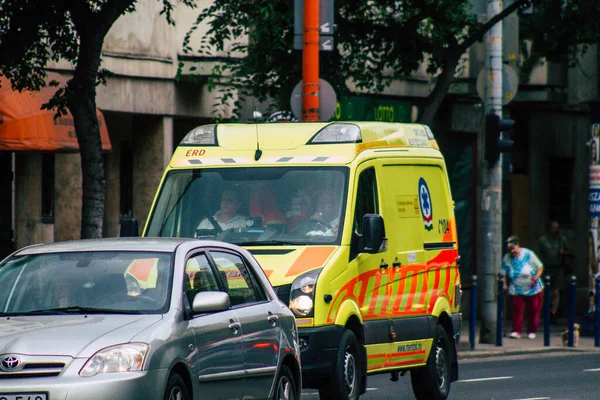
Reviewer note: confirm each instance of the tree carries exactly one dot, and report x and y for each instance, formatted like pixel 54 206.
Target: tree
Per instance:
pixel 377 42
pixel 35 32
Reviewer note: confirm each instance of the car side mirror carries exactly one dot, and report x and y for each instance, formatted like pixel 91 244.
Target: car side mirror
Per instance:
pixel 374 240
pixel 129 227
pixel 210 302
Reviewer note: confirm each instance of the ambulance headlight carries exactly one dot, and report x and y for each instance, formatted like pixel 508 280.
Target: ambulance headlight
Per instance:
pixel 302 293
pixel 337 133
pixel 302 306
pixel 205 135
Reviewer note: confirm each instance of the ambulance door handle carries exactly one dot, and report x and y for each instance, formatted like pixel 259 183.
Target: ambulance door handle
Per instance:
pixel 396 264
pixel 383 265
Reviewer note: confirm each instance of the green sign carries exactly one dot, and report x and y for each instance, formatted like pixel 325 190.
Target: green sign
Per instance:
pixel 372 109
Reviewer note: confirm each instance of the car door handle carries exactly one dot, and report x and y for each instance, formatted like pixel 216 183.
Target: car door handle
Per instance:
pixel 272 318
pixel 234 326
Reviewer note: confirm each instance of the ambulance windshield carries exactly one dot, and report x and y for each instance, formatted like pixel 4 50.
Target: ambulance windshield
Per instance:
pixel 253 206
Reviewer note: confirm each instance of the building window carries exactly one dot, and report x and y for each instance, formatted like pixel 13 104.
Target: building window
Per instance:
pixel 48 188
pixel 126 180
pixel 560 190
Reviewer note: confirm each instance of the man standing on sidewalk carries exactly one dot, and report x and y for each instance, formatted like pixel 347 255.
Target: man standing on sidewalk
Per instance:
pixel 521 270
pixel 553 251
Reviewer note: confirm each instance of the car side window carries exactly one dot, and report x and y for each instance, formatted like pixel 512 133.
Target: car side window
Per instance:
pixel 199 277
pixel 240 285
pixel 366 198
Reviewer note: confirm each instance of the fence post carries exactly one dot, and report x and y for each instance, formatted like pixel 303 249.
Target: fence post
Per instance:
pixel 597 314
pixel 573 279
pixel 547 295
pixel 473 314
pixel 500 311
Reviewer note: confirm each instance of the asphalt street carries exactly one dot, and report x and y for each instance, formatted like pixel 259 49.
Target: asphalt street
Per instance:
pixel 550 376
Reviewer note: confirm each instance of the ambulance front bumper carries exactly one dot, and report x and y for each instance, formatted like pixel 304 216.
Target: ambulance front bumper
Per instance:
pixel 319 348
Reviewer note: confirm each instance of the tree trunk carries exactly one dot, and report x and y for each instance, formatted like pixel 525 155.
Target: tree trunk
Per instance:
pixel 82 104
pixel 441 88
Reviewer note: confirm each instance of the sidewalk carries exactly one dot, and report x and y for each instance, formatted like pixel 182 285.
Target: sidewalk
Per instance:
pixel 520 346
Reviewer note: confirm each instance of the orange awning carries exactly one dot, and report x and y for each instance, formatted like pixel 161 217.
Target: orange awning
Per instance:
pixel 24 126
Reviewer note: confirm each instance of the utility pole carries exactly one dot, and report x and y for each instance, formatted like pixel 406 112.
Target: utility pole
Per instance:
pixel 310 62
pixel 490 226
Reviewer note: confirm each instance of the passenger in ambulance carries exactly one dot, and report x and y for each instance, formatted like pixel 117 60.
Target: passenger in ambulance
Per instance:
pixel 325 219
pixel 227 217
pixel 327 210
pixel 263 204
pixel 298 200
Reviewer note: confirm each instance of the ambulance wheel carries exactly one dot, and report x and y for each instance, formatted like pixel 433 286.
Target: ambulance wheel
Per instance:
pixel 344 383
pixel 432 382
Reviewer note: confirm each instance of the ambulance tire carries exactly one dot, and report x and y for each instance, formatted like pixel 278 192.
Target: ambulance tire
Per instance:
pixel 344 383
pixel 432 382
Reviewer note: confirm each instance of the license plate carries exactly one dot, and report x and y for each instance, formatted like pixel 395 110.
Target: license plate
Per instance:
pixel 23 396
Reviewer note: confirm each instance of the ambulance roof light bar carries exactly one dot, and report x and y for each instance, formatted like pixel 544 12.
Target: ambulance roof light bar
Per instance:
pixel 337 133
pixel 204 135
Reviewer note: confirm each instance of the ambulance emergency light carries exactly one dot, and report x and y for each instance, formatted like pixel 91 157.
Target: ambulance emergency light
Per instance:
pixel 337 133
pixel 205 135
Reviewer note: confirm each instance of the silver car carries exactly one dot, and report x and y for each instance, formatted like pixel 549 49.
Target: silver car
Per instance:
pixel 143 319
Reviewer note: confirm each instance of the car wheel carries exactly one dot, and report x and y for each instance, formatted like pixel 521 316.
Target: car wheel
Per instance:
pixel 432 382
pixel 345 381
pixel 176 388
pixel 286 386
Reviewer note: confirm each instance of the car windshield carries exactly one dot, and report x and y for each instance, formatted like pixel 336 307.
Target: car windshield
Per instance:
pixel 86 282
pixel 253 206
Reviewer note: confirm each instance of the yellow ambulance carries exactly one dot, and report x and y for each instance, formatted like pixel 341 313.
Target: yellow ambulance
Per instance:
pixel 353 223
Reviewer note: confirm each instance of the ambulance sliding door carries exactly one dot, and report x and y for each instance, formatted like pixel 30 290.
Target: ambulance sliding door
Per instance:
pixel 404 209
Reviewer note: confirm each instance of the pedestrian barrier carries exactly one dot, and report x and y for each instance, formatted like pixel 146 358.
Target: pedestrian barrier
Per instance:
pixel 500 311
pixel 473 312
pixel 571 335
pixel 597 314
pixel 547 293
pixel 546 311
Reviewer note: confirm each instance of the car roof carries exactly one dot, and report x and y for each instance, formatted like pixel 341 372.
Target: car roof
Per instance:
pixel 166 245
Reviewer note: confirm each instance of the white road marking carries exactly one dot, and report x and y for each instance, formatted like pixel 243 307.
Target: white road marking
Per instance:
pixel 592 370
pixel 536 398
pixel 369 389
pixel 493 378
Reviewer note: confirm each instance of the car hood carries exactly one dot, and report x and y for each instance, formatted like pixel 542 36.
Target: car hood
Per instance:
pixel 69 335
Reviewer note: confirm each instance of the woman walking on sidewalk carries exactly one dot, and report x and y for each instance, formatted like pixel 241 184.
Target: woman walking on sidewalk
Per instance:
pixel 522 270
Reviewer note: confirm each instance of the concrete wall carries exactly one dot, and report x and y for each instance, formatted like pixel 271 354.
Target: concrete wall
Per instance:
pixel 583 79
pixel 67 196
pixel 151 150
pixel 29 228
pixel 560 134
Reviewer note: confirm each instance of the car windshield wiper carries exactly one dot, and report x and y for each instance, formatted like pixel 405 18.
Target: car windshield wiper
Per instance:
pixel 271 242
pixel 78 310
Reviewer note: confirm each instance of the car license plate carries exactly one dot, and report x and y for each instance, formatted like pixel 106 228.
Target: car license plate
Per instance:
pixel 23 396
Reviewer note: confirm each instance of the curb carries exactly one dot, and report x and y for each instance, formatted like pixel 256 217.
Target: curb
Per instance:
pixel 468 354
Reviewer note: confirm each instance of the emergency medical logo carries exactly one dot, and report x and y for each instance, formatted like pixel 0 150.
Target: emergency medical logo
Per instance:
pixel 426 207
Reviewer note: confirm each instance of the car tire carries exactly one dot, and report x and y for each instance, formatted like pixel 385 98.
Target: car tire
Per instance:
pixel 432 382
pixel 176 388
pixel 285 389
pixel 344 383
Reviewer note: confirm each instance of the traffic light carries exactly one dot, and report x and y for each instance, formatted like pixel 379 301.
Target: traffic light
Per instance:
pixel 494 142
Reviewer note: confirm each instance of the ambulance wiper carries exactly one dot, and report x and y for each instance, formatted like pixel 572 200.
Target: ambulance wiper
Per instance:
pixel 271 242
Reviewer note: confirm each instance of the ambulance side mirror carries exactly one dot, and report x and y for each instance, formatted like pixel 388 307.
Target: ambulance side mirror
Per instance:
pixel 374 240
pixel 129 227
